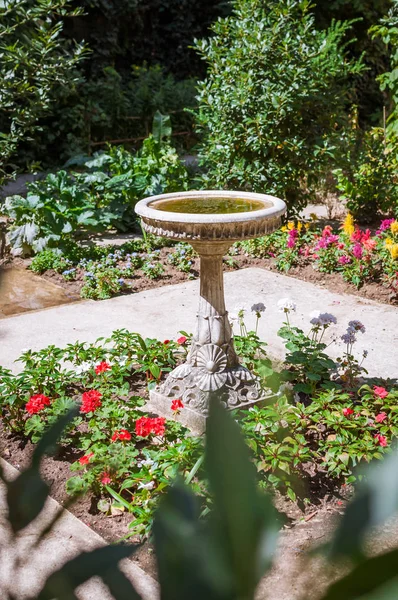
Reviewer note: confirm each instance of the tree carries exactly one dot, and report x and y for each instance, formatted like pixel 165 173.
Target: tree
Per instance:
pixel 34 61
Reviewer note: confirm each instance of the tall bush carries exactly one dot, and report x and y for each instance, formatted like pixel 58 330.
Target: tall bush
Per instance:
pixel 34 61
pixel 273 106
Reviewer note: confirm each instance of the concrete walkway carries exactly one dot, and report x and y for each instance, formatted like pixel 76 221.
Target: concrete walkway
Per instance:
pixel 164 311
pixel 68 538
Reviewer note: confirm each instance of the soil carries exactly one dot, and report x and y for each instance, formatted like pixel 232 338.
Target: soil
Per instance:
pixel 55 471
pixel 334 282
pixel 326 497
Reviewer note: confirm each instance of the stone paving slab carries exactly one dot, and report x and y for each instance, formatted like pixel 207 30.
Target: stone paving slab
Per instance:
pixel 164 311
pixel 68 538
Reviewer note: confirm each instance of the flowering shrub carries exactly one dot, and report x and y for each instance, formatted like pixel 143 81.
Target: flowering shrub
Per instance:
pixel 358 255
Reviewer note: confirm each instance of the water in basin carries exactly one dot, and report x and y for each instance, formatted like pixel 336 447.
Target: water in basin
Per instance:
pixel 211 206
pixel 21 291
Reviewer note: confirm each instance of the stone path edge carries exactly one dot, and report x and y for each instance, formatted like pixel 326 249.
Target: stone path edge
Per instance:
pixel 70 536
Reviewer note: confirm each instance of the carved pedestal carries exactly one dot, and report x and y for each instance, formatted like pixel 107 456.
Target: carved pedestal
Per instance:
pixel 212 369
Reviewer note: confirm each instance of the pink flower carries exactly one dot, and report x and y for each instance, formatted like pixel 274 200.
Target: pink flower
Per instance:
pixel 181 340
pixel 347 412
pixel 381 417
pixel 381 439
pixel 105 478
pixel 370 245
pixel 380 392
pixel 344 260
pixel 386 224
pixel 357 251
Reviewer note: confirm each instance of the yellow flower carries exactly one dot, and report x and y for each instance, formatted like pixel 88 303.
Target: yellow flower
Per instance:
pixel 284 228
pixel 299 226
pixel 349 225
pixel 307 225
pixel 290 225
pixel 389 242
pixel 394 251
pixel 394 227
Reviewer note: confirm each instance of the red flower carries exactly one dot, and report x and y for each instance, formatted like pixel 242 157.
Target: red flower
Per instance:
pixel 158 426
pixel 380 392
pixel 382 440
pixel 84 460
pixel 146 425
pixel 123 435
pixel 347 412
pixel 181 340
pixel 105 478
pixel 166 342
pixel 176 405
pixel 102 367
pixel 90 401
pixel 381 417
pixel 36 403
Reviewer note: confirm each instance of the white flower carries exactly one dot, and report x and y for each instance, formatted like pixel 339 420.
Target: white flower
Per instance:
pixel 286 305
pixel 258 308
pixel 82 368
pixel 122 361
pixel 322 319
pixel 145 463
pixel 146 486
pixel 357 326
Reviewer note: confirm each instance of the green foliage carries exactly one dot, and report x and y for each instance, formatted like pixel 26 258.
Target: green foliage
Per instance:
pixel 112 106
pixel 272 109
pixel 182 257
pixel 35 61
pixel 370 187
pixel 102 195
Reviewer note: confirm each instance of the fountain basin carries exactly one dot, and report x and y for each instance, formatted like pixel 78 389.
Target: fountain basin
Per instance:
pixel 211 221
pixel 257 215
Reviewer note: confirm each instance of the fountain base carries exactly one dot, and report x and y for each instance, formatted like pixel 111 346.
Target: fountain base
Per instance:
pixel 240 389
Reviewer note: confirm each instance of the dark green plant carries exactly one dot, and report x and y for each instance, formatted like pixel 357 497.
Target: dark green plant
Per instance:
pixel 34 61
pixel 369 187
pixel 102 195
pixel 272 109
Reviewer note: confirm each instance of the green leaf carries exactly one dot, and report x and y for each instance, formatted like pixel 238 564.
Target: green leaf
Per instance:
pixel 161 126
pixel 244 522
pixel 369 576
pixel 376 500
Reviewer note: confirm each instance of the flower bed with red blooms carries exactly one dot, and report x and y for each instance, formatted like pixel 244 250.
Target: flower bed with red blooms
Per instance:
pixel 326 420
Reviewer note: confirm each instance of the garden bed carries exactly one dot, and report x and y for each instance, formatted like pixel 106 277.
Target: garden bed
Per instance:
pixel 120 461
pixel 345 259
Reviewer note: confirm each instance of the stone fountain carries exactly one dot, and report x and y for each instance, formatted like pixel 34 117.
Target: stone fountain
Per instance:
pixel 211 221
